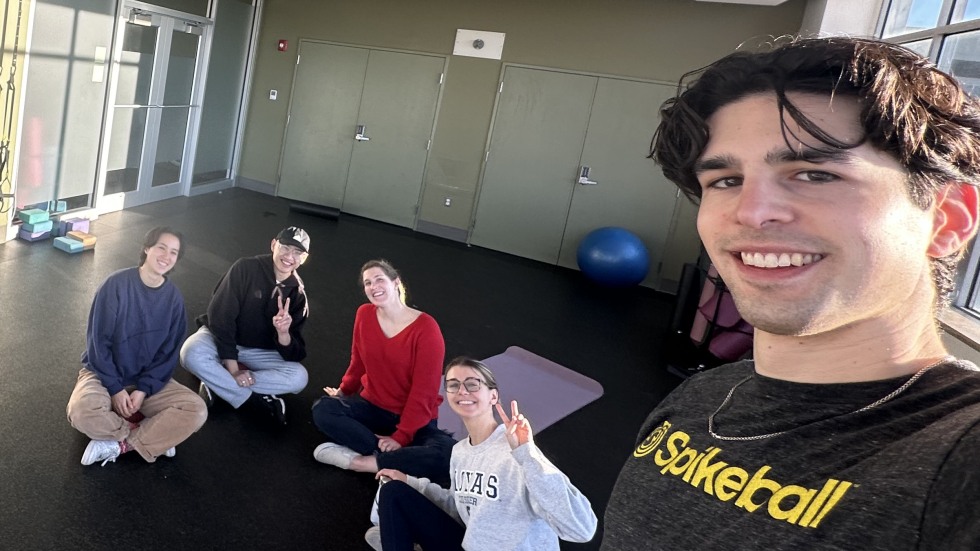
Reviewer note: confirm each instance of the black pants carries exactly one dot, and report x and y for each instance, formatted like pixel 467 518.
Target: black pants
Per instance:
pixel 352 421
pixel 408 517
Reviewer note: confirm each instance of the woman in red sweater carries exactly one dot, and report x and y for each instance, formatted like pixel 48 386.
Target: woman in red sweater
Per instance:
pixel 384 413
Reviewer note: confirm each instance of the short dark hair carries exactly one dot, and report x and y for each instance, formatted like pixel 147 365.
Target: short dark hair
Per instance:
pixel 153 236
pixel 909 109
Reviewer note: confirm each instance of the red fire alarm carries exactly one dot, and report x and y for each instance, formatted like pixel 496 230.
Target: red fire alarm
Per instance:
pixel 283 44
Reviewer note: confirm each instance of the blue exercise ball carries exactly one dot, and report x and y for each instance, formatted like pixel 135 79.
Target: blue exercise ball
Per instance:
pixel 613 256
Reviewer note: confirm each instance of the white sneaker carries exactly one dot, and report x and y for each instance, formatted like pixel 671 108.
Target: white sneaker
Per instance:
pixel 170 452
pixel 334 454
pixel 101 450
pixel 373 537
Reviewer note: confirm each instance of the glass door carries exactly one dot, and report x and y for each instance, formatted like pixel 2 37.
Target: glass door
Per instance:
pixel 153 120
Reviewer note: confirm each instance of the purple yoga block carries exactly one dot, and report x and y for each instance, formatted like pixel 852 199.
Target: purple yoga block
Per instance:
pixel 78 224
pixel 66 225
pixel 33 236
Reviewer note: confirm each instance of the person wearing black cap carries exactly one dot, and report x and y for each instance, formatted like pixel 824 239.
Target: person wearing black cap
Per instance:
pixel 250 342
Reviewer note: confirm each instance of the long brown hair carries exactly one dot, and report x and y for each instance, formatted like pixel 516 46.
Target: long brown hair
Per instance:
pixel 388 271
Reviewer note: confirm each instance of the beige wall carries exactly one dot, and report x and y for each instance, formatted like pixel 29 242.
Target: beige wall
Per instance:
pixel 651 39
pixel 961 348
pixel 840 17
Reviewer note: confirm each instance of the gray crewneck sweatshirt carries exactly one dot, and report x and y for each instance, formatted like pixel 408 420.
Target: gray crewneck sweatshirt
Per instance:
pixel 510 499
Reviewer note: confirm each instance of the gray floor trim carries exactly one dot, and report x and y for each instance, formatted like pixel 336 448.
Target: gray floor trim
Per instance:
pixel 438 230
pixel 256 185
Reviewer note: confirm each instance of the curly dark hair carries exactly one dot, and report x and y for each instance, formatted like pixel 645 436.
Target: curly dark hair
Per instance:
pixel 909 109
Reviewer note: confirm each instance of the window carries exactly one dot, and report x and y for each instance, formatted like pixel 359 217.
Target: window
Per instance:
pixel 948 32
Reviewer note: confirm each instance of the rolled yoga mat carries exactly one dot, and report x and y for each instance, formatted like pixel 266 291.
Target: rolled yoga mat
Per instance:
pixel 545 391
pixel 315 210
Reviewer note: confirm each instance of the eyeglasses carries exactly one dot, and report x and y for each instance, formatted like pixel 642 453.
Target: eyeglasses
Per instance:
pixel 290 251
pixel 471 384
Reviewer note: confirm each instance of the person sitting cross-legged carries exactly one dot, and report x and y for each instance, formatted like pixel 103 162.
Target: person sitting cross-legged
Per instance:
pixel 505 494
pixel 125 397
pixel 250 343
pixel 384 413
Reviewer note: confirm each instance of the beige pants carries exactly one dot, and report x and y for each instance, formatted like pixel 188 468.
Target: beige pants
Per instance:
pixel 172 415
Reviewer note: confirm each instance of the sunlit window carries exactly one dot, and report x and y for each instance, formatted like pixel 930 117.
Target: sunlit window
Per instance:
pixel 948 32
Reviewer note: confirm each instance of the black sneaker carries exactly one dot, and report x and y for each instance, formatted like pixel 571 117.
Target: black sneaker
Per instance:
pixel 271 404
pixel 205 393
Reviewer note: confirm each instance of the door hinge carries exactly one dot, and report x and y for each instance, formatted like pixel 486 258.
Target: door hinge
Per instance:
pixel 297 59
pixel 500 89
pixel 442 76
pixel 428 145
pixel 486 156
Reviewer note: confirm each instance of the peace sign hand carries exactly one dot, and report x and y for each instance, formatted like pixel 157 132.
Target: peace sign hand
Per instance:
pixel 518 427
pixel 282 320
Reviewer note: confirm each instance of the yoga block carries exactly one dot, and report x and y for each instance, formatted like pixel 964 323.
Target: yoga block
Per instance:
pixel 33 216
pixel 68 245
pixel 76 224
pixel 50 206
pixel 64 226
pixel 86 239
pixel 33 236
pixel 37 228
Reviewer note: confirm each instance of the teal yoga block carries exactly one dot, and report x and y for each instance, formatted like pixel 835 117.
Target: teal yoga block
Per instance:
pixel 33 216
pixel 68 245
pixel 38 227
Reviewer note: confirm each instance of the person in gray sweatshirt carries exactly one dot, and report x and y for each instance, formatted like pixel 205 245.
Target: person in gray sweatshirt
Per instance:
pixel 504 493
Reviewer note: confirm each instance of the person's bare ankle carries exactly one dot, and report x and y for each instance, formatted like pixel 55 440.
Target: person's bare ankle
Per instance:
pixel 364 464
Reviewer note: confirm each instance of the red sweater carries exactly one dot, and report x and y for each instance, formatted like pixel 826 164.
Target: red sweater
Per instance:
pixel 401 374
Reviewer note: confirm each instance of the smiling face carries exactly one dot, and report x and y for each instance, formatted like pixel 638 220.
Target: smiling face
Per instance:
pixel 809 241
pixel 285 259
pixel 468 404
pixel 162 256
pixel 379 288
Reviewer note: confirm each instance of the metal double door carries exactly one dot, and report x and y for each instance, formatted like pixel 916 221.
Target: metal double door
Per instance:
pixel 359 130
pixel 568 154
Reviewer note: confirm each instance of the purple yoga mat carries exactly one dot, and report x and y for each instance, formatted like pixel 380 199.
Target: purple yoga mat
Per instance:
pixel 545 391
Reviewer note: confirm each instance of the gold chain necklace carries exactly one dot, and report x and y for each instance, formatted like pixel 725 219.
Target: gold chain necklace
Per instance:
pixel 872 405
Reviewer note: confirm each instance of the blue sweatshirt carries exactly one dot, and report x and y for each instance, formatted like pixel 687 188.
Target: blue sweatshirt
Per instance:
pixel 134 333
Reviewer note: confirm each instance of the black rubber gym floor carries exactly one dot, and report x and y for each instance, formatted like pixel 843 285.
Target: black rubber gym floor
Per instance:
pixel 238 483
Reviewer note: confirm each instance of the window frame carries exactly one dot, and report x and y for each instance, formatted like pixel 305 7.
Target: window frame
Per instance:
pixel 962 319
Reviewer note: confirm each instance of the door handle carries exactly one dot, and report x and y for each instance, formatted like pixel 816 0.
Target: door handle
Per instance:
pixel 359 136
pixel 583 177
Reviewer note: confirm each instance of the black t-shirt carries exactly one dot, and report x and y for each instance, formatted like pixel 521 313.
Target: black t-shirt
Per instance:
pixel 903 475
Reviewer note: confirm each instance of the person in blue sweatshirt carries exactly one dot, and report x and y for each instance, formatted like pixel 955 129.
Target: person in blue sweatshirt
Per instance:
pixel 125 398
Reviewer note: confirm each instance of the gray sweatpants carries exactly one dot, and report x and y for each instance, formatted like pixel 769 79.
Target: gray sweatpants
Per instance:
pixel 272 374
